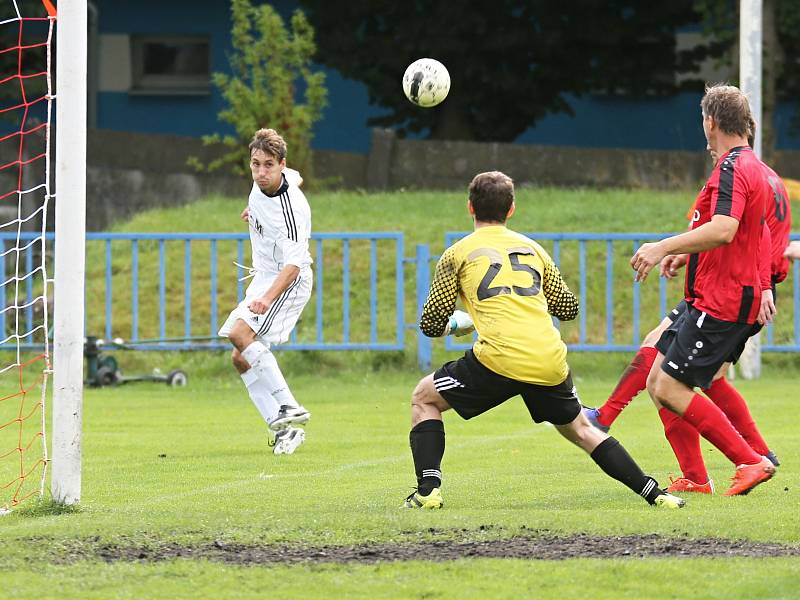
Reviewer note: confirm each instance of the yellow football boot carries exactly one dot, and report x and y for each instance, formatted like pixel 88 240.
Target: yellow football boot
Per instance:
pixel 432 500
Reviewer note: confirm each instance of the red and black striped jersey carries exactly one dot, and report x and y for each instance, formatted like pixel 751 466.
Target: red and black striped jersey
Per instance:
pixel 725 282
pixel 779 221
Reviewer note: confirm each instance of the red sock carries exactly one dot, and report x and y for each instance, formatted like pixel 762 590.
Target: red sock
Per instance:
pixel 633 381
pixel 713 425
pixel 730 401
pixel 685 442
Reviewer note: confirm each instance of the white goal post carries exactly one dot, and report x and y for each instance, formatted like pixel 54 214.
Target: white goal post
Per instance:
pixel 70 234
pixel 750 52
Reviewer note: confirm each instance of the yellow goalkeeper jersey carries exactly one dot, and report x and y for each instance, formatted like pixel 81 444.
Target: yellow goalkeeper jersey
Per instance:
pixel 509 286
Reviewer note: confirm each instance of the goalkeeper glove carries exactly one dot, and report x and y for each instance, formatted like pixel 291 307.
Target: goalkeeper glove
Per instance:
pixel 460 323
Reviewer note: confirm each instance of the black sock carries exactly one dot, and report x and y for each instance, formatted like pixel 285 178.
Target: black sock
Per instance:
pixel 427 448
pixel 617 463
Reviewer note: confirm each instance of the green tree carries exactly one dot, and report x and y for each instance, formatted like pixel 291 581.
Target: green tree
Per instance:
pixel 781 39
pixel 268 64
pixel 30 62
pixel 511 62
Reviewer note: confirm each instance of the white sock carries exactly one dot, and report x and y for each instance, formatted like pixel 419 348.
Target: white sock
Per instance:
pixel 259 394
pixel 263 362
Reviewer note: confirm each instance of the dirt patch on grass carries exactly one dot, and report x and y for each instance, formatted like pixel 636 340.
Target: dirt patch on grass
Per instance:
pixel 540 547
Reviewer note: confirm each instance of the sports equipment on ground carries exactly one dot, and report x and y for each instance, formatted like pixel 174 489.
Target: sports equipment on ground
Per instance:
pixel 749 476
pixel 289 415
pixel 432 500
pixel 426 82
pixel 687 485
pixel 592 414
pixel 669 501
pixel 288 440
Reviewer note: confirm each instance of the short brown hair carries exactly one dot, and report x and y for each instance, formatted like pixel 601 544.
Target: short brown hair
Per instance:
pixel 492 195
pixel 269 141
pixel 729 108
pixel 751 133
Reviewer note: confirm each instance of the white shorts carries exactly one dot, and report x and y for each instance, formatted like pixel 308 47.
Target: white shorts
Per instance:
pixel 276 324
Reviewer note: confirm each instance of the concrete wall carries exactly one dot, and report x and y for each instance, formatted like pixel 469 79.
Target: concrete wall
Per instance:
pixel 129 172
pixel 420 164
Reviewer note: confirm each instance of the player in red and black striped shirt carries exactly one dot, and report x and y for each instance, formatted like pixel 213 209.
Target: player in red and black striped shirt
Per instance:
pixel 683 438
pixel 725 291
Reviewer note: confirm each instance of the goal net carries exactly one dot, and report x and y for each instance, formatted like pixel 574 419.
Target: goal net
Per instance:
pixel 26 33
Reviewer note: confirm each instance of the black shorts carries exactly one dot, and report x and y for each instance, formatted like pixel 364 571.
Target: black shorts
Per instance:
pixel 696 345
pixel 676 312
pixel 472 389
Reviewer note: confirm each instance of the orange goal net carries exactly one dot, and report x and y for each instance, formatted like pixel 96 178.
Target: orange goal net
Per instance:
pixel 26 99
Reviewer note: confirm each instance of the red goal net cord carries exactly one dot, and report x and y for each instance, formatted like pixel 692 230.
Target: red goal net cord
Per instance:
pixel 26 35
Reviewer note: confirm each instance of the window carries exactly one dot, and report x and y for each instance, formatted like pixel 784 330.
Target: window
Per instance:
pixel 170 64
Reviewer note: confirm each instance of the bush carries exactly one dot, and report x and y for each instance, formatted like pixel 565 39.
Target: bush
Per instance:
pixel 267 63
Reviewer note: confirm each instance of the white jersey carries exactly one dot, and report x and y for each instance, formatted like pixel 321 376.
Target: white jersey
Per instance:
pixel 280 226
pixel 292 176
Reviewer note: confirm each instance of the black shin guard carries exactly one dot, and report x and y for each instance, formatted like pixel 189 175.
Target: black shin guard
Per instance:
pixel 427 448
pixel 617 463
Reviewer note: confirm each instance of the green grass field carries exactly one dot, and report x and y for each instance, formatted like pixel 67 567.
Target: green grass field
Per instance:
pixel 422 217
pixel 192 467
pixel 183 498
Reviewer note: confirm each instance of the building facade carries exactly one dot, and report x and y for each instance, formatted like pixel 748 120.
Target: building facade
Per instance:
pixel 150 66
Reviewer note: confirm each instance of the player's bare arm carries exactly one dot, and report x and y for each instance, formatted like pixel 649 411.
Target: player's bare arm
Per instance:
pixel 717 232
pixel 284 279
pixel 792 251
pixel 671 263
pixel 767 311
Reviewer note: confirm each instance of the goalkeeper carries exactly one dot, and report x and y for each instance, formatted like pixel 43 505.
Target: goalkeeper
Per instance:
pixel 510 287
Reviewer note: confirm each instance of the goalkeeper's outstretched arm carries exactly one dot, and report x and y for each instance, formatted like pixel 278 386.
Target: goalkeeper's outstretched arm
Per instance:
pixel 561 302
pixel 441 301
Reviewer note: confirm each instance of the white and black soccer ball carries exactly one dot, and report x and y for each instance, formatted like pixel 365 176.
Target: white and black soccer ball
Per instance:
pixel 426 82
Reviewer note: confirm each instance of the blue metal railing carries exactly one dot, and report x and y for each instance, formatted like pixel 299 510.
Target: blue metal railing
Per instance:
pixel 384 337
pixel 354 274
pixel 603 337
pixel 318 245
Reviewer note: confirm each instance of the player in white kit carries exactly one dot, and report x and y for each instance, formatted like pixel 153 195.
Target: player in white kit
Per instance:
pixel 280 226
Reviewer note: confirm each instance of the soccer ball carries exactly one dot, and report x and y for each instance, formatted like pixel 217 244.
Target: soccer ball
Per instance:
pixel 426 82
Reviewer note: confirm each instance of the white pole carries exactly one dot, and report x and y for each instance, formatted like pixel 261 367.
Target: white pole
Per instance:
pixel 70 199
pixel 750 52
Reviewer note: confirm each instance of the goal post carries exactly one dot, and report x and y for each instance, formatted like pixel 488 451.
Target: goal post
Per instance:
pixel 750 77
pixel 70 234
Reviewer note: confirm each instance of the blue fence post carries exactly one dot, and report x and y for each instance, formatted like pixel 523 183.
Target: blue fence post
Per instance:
pixel 345 290
pixel 135 290
pixel 109 290
pixel 424 344
pixel 610 292
pixel 582 291
pixel 400 291
pixel 162 291
pixel 796 297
